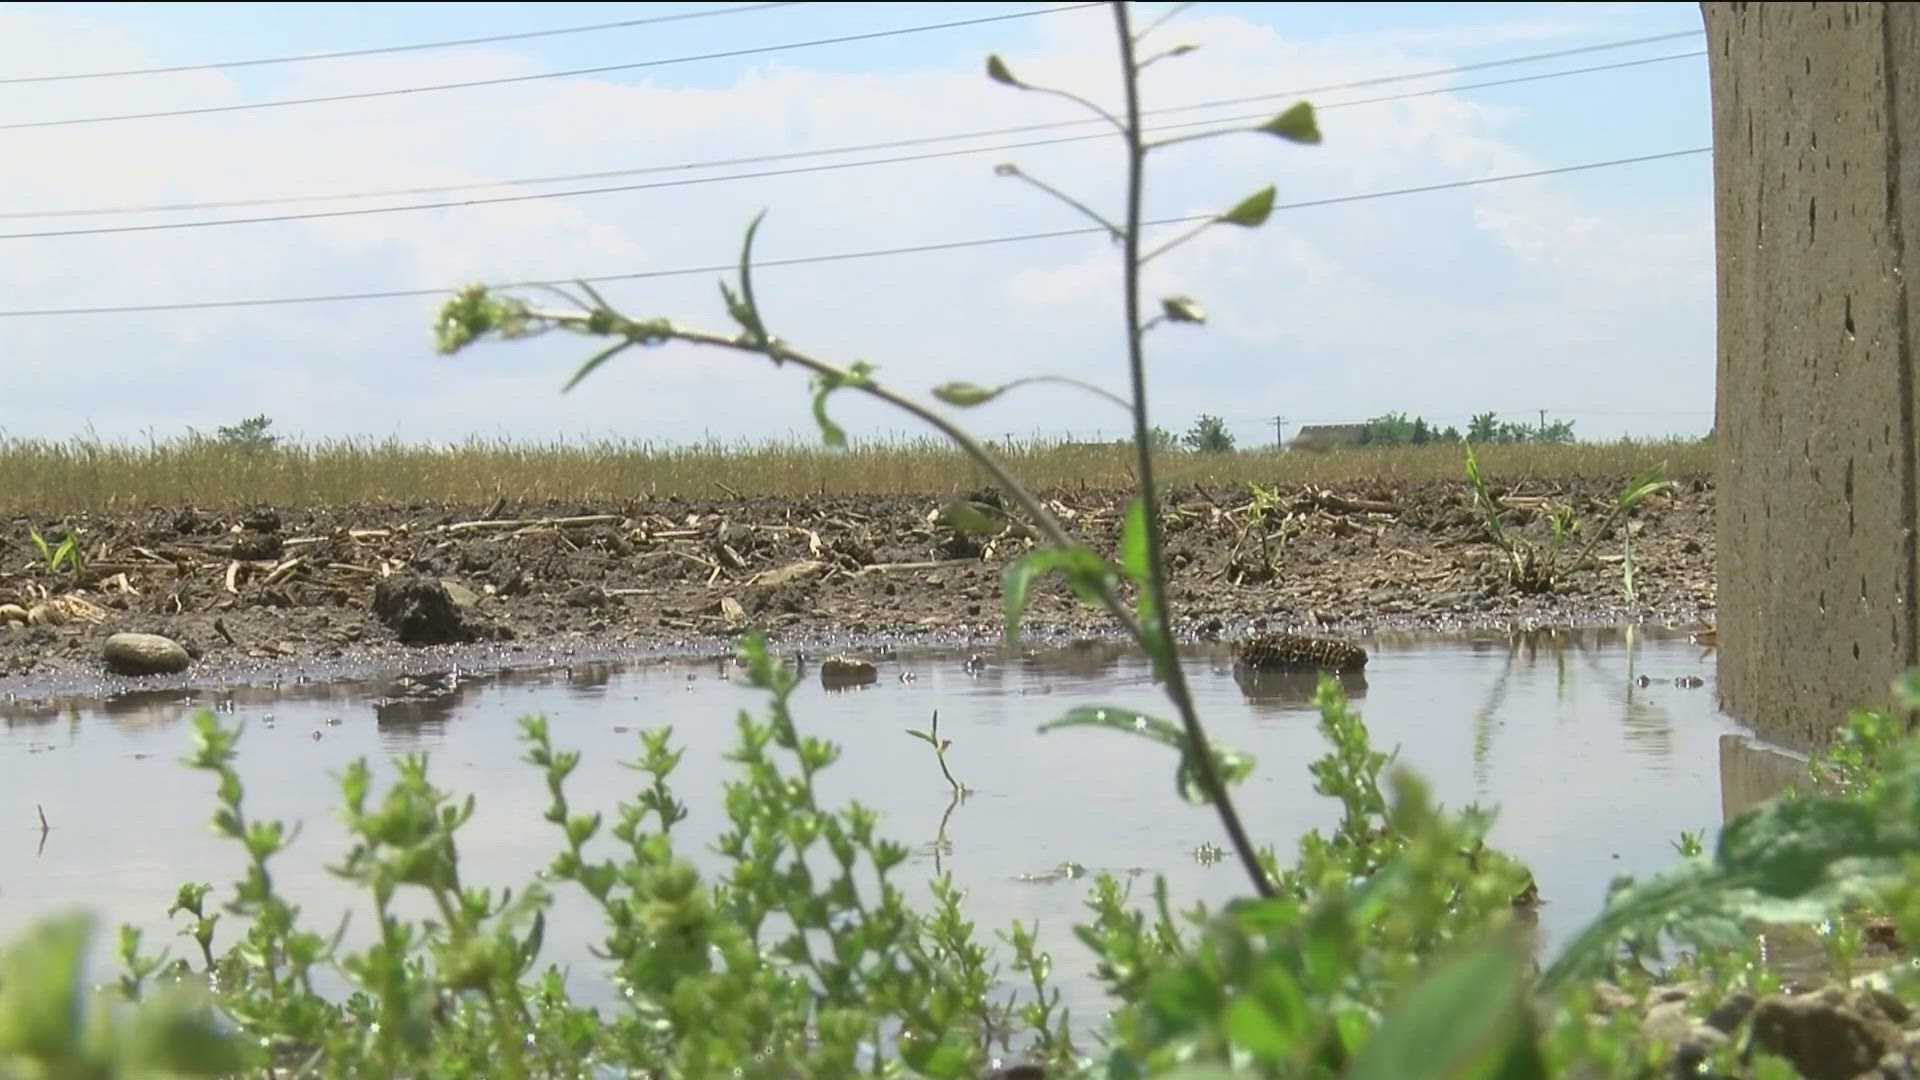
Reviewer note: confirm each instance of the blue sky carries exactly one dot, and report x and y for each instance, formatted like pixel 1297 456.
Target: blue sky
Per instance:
pixel 1588 294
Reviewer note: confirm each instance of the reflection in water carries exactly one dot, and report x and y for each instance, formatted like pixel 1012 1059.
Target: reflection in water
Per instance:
pixel 1751 773
pixel 1280 691
pixel 1643 718
pixel 1572 754
pixel 1081 659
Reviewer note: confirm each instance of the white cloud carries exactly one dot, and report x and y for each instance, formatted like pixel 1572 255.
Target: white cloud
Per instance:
pixel 1442 303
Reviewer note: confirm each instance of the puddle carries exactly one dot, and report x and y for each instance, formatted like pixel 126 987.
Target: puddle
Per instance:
pixel 1595 773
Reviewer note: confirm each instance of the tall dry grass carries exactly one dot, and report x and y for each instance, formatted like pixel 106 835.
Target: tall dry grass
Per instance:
pixel 45 477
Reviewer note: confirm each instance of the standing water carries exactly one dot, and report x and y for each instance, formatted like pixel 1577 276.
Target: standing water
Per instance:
pixel 1599 748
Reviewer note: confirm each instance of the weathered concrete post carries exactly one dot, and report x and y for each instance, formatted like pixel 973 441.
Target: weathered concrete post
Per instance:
pixel 1816 133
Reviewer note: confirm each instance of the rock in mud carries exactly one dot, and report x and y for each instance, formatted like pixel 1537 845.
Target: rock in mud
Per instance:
pixel 461 596
pixel 66 609
pixel 144 654
pixel 261 519
pixel 419 611
pixel 586 596
pixel 790 573
pixel 1828 1035
pixel 838 671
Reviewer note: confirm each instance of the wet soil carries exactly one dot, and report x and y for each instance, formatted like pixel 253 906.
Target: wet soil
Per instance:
pixel 257 590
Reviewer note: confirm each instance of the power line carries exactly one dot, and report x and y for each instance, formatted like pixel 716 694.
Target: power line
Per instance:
pixel 893 144
pixel 847 255
pixel 100 230
pixel 389 49
pixel 506 80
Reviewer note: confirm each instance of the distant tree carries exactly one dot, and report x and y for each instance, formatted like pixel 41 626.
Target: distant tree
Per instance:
pixel 1421 434
pixel 248 435
pixel 1510 433
pixel 1163 440
pixel 1484 428
pixel 1558 433
pixel 1452 434
pixel 1209 435
pixel 1391 429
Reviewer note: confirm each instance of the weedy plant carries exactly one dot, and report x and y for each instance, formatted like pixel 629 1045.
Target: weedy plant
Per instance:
pixel 1536 567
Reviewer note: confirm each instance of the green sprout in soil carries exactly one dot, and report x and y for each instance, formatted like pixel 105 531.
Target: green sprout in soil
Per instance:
pixel 1533 566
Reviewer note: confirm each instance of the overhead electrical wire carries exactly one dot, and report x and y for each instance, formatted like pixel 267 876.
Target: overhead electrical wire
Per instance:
pixel 892 144
pixel 383 50
pixel 512 79
pixel 101 230
pixel 802 260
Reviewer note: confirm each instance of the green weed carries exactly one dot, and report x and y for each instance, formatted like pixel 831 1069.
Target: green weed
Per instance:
pixel 1539 567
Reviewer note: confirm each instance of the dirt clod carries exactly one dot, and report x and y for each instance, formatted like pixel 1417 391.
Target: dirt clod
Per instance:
pixel 419 611
pixel 1827 1035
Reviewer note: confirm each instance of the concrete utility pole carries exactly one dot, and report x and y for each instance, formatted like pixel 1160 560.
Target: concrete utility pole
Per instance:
pixel 1816 168
pixel 1543 419
pixel 1279 442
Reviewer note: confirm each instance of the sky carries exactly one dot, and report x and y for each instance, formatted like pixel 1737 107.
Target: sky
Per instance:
pixel 1586 294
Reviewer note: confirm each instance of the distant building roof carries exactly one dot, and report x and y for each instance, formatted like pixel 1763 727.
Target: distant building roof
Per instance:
pixel 1318 435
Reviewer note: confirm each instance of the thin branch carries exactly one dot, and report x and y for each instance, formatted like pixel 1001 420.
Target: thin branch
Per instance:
pixel 1068 381
pixel 1166 17
pixel 1156 583
pixel 1196 136
pixel 1168 54
pixel 1178 240
pixel 1080 101
pixel 1015 171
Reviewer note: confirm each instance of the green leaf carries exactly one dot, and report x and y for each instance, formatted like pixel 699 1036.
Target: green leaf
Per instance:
pixel 175 1034
pixel 1133 541
pixel 997 71
pixel 1086 573
pixel 40 991
pixel 1252 211
pixel 965 394
pixel 1116 718
pixel 1786 848
pixel 1297 124
pixel 1182 309
pixel 1233 766
pixel 1465 1021
pixel 1649 483
pixel 752 323
pixel 595 361
pixel 1270 1020
pixel 831 433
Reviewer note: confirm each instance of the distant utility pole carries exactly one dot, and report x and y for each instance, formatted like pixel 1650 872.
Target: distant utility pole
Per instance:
pixel 1279 443
pixel 1543 419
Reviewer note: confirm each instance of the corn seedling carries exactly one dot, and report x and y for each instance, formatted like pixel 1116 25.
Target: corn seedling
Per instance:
pixel 1537 567
pixel 66 553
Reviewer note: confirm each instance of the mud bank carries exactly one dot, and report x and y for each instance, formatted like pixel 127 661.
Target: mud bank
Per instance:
pixel 255 591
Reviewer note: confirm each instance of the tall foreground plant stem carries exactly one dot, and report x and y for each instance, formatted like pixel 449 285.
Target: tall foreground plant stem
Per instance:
pixel 1157 618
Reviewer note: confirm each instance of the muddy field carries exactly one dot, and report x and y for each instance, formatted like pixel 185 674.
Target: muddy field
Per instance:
pixel 258 590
